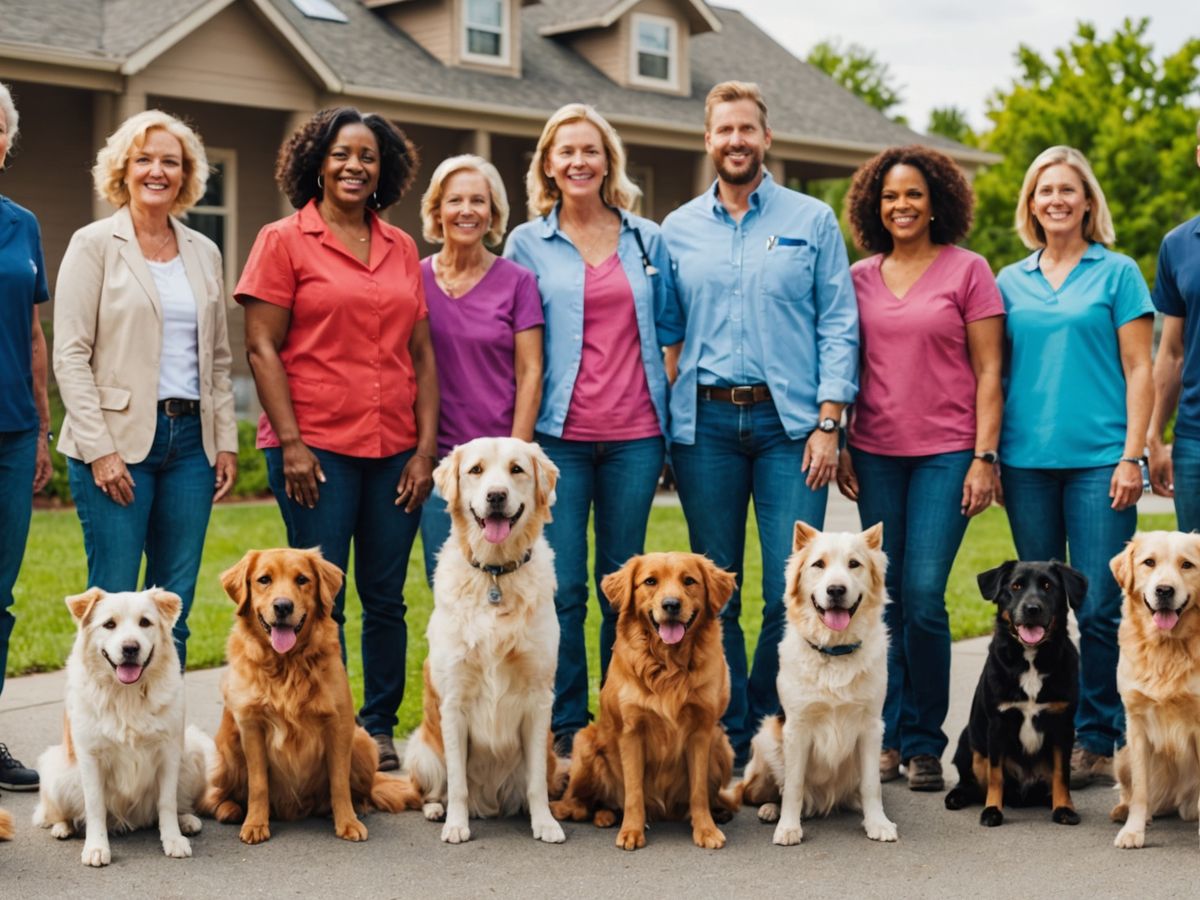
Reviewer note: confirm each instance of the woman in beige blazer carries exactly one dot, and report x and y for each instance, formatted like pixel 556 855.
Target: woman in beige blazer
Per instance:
pixel 141 354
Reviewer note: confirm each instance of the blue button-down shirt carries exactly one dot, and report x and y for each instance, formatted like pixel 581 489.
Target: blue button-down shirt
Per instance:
pixel 543 248
pixel 1177 293
pixel 768 300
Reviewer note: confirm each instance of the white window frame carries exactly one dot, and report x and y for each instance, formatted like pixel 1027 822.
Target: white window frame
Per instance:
pixel 228 209
pixel 505 32
pixel 635 76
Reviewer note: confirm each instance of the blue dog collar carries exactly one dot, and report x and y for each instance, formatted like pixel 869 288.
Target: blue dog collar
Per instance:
pixel 836 649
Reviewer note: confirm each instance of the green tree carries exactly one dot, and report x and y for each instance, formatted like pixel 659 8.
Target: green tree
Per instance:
pixel 951 122
pixel 858 70
pixel 1133 115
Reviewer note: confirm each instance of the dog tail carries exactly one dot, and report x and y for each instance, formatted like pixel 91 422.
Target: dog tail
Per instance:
pixel 394 793
pixel 6 826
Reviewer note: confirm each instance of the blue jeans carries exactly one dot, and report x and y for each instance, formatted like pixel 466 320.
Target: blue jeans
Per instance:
pixel 618 478
pixel 18 454
pixel 435 529
pixel 167 520
pixel 356 503
pixel 1186 458
pixel 919 501
pixel 742 452
pixel 1061 513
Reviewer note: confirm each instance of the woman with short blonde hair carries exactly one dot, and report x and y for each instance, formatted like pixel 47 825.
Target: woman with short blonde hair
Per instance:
pixel 112 161
pixel 431 223
pixel 1097 221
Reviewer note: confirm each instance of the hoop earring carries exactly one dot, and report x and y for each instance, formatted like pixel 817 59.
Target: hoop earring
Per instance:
pixel 375 198
pixel 320 183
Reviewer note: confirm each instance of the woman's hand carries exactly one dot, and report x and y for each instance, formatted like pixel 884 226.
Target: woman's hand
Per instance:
pixel 979 488
pixel 1126 485
pixel 111 476
pixel 847 481
pixel 416 481
pixel 226 474
pixel 43 468
pixel 301 473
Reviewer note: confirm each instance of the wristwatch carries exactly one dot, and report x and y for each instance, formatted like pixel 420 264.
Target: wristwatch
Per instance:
pixel 989 456
pixel 827 425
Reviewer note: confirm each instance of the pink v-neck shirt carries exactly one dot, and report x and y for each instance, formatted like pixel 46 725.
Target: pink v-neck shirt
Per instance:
pixel 917 387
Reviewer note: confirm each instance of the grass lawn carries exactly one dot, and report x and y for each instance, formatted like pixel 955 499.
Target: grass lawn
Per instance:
pixel 55 567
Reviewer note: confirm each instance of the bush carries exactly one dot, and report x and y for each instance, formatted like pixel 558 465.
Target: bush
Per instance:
pixel 252 465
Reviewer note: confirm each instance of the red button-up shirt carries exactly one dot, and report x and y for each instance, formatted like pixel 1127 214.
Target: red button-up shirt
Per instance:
pixel 346 352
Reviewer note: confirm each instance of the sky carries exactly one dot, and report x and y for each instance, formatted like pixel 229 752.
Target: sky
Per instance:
pixel 957 52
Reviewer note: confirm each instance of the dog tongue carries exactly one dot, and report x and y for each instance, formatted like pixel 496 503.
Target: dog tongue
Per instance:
pixel 1165 619
pixel 128 673
pixel 283 639
pixel 837 619
pixel 1031 634
pixel 671 632
pixel 496 529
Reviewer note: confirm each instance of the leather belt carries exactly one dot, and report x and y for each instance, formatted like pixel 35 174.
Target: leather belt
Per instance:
pixel 175 406
pixel 741 395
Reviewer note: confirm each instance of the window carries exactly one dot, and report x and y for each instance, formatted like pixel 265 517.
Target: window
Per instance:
pixel 214 215
pixel 485 31
pixel 655 50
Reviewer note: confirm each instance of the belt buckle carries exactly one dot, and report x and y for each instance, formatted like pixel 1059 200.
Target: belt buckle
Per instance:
pixel 747 392
pixel 174 407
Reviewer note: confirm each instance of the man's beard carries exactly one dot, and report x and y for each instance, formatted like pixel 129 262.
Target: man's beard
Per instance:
pixel 739 177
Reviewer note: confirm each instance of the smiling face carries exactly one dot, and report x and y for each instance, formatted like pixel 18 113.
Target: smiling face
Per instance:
pixel 1060 201
pixel 154 173
pixel 128 631
pixel 736 141
pixel 282 592
pixel 1032 598
pixel 465 210
pixel 905 206
pixel 667 594
pixel 1160 572
pixel 576 161
pixel 351 168
pixel 834 580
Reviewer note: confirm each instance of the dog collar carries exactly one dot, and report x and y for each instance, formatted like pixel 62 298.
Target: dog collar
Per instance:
pixel 836 649
pixel 495 595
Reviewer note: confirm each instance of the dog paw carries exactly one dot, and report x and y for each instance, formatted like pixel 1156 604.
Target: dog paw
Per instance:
pixel 456 834
pixel 958 799
pixel 709 837
pixel 604 818
pixel 631 838
pixel 721 815
pixel 788 835
pixel 350 830
pixel 768 812
pixel 880 829
pixel 1064 815
pixel 1119 813
pixel 96 854
pixel 991 816
pixel 253 833
pixel 62 830
pixel 39 817
pixel 227 811
pixel 189 824
pixel 177 847
pixel 434 812
pixel 1130 838
pixel 546 829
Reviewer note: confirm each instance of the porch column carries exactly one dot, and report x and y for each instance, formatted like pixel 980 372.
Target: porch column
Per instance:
pixel 702 174
pixel 478 142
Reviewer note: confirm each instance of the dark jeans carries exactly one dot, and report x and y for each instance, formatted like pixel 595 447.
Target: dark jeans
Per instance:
pixel 617 480
pixel 167 520
pixel 742 452
pixel 919 501
pixel 357 503
pixel 1186 457
pixel 435 529
pixel 1066 514
pixel 18 455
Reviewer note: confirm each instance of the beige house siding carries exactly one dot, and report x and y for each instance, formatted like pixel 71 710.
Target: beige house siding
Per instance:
pixel 428 22
pixel 604 48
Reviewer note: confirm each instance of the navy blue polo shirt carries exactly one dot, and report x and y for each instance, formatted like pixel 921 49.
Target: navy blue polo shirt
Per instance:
pixel 22 284
pixel 1177 293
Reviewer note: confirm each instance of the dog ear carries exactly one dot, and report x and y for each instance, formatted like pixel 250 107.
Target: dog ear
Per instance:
pixel 993 581
pixel 1075 583
pixel 718 584
pixel 329 581
pixel 81 605
pixel 236 581
pixel 873 536
pixel 618 586
pixel 169 605
pixel 803 535
pixel 445 477
pixel 545 477
pixel 1122 567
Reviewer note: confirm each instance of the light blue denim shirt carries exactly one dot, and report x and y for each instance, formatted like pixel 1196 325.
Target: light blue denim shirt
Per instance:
pixel 542 247
pixel 768 300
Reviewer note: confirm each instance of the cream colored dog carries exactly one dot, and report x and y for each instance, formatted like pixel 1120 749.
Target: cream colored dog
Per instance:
pixel 124 762
pixel 483 748
pixel 1158 676
pixel 832 683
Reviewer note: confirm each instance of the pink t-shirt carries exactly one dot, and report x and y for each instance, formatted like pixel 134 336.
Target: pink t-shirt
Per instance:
pixel 611 400
pixel 917 388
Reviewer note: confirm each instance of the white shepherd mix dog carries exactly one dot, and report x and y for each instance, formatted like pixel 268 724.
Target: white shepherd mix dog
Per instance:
pixel 124 762
pixel 484 748
pixel 832 683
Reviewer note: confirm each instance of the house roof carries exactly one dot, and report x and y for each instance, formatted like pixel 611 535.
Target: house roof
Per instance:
pixel 368 56
pixel 579 15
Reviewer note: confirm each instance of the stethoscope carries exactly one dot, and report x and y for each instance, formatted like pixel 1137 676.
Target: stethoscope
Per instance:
pixel 651 269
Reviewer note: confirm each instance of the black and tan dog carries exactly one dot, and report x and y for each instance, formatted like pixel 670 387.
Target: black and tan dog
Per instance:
pixel 1016 748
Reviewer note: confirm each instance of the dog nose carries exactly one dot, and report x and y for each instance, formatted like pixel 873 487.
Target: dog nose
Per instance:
pixel 131 650
pixel 283 608
pixel 1164 592
pixel 1030 609
pixel 497 497
pixel 672 606
pixel 836 591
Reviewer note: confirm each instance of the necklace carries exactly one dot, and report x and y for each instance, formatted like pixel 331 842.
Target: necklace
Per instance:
pixel 153 254
pixel 456 287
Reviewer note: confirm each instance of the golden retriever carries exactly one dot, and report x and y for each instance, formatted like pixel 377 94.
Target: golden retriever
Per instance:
pixel 126 761
pixel 661 704
pixel 824 752
pixel 288 746
pixel 6 825
pixel 483 748
pixel 1158 676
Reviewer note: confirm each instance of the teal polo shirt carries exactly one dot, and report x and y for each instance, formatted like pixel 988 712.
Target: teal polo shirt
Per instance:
pixel 1064 403
pixel 1177 293
pixel 22 284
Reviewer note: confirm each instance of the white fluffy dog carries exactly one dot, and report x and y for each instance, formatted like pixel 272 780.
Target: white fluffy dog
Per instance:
pixel 124 762
pixel 832 683
pixel 483 748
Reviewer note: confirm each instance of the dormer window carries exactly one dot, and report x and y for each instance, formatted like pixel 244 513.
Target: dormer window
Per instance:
pixel 486 31
pixel 655 47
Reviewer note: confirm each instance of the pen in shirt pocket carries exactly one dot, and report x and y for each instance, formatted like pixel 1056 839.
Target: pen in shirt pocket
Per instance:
pixel 776 239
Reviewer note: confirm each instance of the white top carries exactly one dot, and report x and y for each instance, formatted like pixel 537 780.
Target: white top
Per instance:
pixel 179 368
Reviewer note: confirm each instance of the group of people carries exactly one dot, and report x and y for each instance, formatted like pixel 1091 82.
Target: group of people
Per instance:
pixel 735 339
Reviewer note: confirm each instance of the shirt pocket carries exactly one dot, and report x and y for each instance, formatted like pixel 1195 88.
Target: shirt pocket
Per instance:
pixel 787 272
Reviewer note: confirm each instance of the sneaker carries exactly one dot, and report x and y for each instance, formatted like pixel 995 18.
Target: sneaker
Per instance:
pixel 1090 768
pixel 563 744
pixel 925 773
pixel 389 759
pixel 13 775
pixel 889 765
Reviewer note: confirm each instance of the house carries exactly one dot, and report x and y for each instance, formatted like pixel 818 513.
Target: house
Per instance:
pixel 457 75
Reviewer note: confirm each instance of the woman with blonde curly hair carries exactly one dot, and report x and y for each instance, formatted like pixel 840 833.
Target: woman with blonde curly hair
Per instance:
pixel 141 354
pixel 609 299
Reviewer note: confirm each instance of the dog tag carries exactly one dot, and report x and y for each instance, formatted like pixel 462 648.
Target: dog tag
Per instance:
pixel 494 595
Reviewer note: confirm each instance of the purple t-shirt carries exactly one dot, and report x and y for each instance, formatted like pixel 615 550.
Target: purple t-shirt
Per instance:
pixel 473 340
pixel 917 387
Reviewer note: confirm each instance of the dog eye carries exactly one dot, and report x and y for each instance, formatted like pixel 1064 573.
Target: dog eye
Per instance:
pixel 475 470
pixel 110 625
pixel 1149 561
pixel 143 622
pixel 854 564
pixel 516 470
pixel 302 579
pixel 1044 585
pixel 1018 586
pixel 819 564
pixel 263 579
pixel 651 582
pixel 1186 564
pixel 689 580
